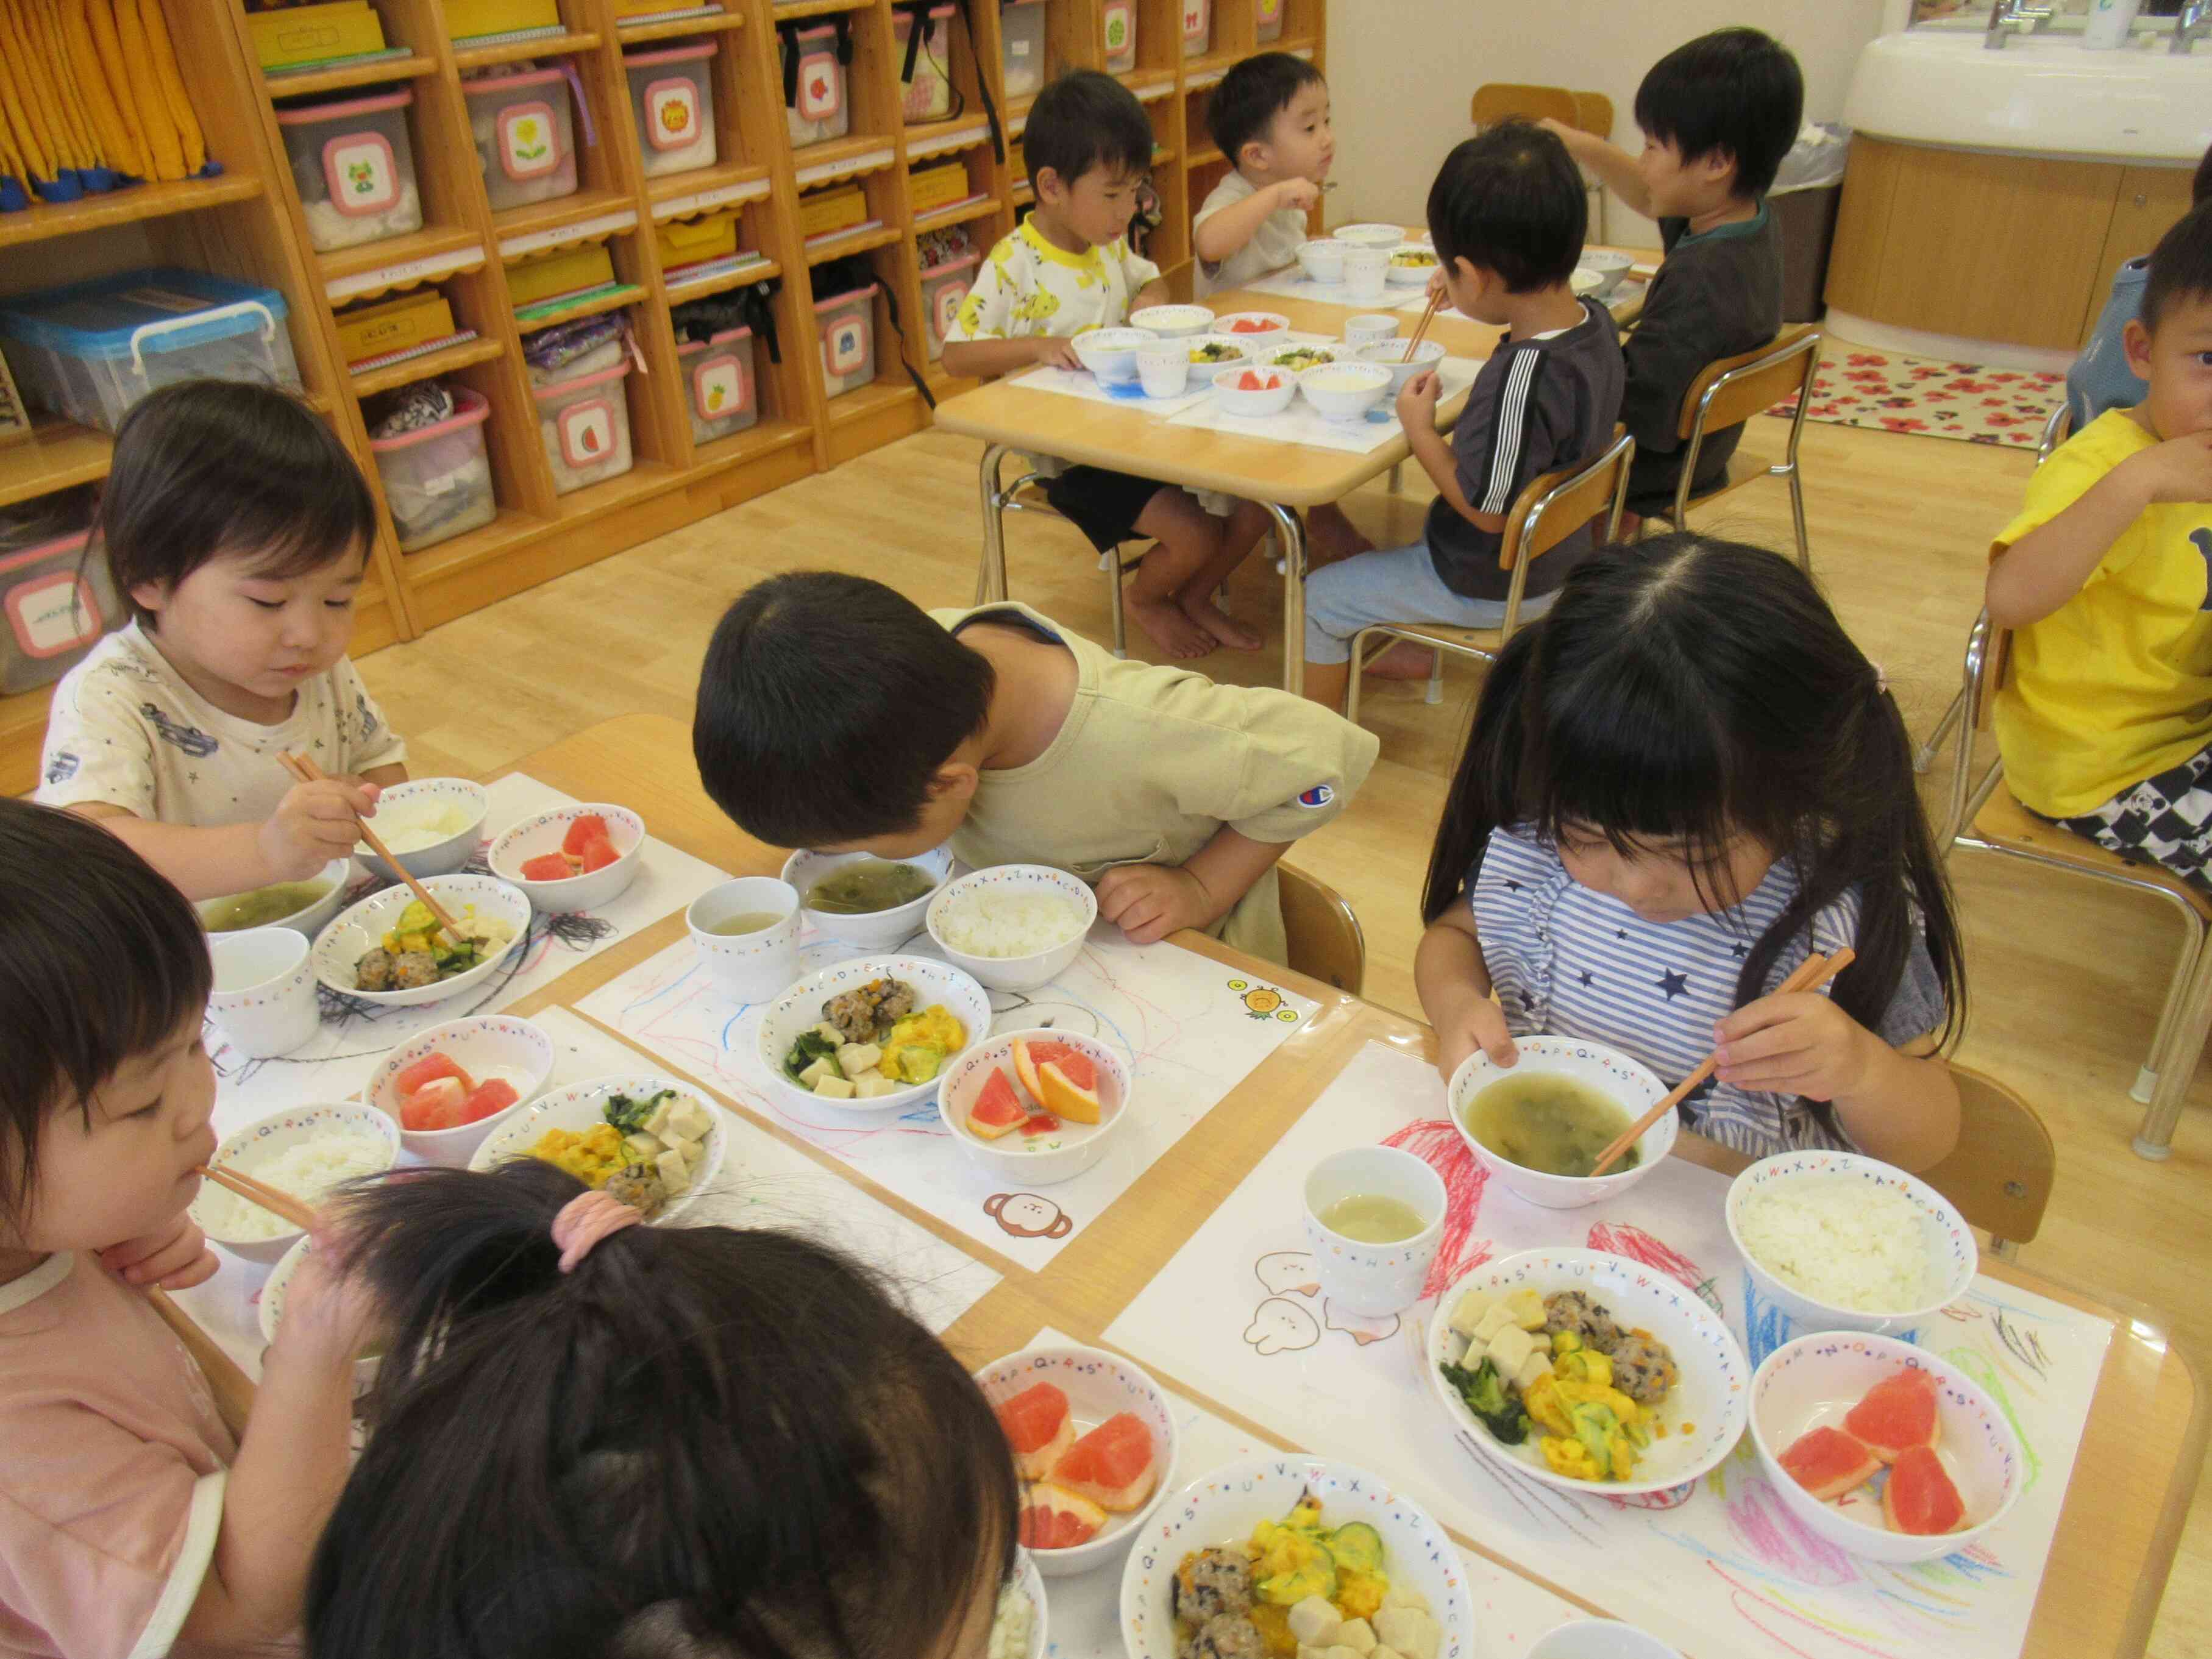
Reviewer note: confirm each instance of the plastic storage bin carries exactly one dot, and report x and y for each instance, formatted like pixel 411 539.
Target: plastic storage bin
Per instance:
pixel 92 349
pixel 1267 20
pixel 57 604
pixel 436 480
pixel 718 384
pixel 1021 33
pixel 1197 27
pixel 817 109
pixel 354 168
pixel 846 323
pixel 671 94
pixel 1121 26
pixel 943 287
pixel 585 425
pixel 525 136
pixel 929 89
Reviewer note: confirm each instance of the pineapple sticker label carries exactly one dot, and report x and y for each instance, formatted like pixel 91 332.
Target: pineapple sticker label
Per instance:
pixel 719 385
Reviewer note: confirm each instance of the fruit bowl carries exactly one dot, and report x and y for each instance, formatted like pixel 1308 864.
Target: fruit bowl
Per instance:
pixel 545 835
pixel 1025 1160
pixel 1272 397
pixel 1251 325
pixel 489 1048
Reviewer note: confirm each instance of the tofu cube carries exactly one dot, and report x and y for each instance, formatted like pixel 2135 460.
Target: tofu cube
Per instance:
pixel 1543 1340
pixel 832 1087
pixel 1378 1651
pixel 1402 1595
pixel 1468 1314
pixel 1358 1635
pixel 874 1086
pixel 1535 1366
pixel 674 1173
pixel 643 1148
pixel 1315 1622
pixel 1411 1630
pixel 1527 1310
pixel 1340 1652
pixel 1509 1350
pixel 685 1149
pixel 829 1033
pixel 817 1070
pixel 689 1119
pixel 656 1121
pixel 857 1059
pixel 1499 1317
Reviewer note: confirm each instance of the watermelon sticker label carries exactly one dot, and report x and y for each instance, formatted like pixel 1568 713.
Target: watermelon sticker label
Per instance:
pixel 588 432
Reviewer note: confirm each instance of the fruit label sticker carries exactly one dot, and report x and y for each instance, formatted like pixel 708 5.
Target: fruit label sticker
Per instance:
pixel 361 173
pixel 718 388
pixel 1194 18
pixel 821 87
pixel 526 149
pixel 1268 11
pixel 949 299
pixel 1118 26
pixel 587 431
pixel 53 614
pixel 671 112
pixel 845 346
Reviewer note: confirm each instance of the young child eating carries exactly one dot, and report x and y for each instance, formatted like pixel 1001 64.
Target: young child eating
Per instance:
pixel 238 528
pixel 836 714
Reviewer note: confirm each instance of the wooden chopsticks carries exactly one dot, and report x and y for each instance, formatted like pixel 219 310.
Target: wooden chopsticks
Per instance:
pixel 303 771
pixel 232 1389
pixel 1811 975
pixel 1436 301
pixel 275 1200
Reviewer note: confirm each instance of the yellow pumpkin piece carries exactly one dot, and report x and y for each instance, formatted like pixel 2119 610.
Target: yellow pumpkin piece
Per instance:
pixel 1360 1595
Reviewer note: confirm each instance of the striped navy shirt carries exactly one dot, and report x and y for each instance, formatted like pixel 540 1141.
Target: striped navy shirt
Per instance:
pixel 1570 961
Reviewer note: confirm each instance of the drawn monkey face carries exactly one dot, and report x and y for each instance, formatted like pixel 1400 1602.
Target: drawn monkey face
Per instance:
pixel 1024 1215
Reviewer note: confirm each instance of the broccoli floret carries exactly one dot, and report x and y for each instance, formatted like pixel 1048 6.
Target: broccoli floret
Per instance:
pixel 629 1115
pixel 811 1046
pixel 1488 1398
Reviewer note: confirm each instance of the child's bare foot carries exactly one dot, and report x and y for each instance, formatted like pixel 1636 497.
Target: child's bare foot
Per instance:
pixel 1402 661
pixel 1330 535
pixel 1167 627
pixel 1220 624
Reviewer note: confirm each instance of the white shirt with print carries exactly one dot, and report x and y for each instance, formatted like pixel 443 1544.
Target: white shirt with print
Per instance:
pixel 1273 247
pixel 1030 287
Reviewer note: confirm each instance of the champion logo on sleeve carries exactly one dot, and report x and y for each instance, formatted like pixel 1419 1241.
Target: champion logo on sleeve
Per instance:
pixel 1319 796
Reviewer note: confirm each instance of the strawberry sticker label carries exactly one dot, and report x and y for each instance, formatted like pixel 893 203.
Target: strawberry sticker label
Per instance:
pixel 672 113
pixel 361 173
pixel 821 87
pixel 1119 26
pixel 845 347
pixel 53 614
pixel 720 389
pixel 1195 19
pixel 526 145
pixel 588 432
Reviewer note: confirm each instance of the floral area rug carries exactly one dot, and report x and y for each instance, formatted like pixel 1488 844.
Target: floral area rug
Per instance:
pixel 1888 392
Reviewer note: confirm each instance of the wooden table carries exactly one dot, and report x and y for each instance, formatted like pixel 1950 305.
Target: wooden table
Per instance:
pixel 1280 476
pixel 2140 1452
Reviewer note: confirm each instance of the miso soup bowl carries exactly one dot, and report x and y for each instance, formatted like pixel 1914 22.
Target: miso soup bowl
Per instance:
pixel 1633 1087
pixel 873 930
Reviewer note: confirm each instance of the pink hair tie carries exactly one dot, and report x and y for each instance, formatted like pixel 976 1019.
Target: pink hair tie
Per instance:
pixel 584 1220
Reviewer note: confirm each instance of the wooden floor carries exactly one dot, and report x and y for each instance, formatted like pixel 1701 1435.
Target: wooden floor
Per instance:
pixel 2066 977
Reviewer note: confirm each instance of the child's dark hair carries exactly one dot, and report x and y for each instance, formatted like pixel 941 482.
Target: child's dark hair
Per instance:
pixel 101 961
pixel 1737 91
pixel 1510 200
pixel 703 1440
pixel 1251 95
pixel 1087 119
pixel 1686 689
pixel 203 468
pixel 826 703
pixel 2180 265
pixel 2200 187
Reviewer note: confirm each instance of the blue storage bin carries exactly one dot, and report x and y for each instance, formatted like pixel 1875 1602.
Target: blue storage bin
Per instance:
pixel 91 350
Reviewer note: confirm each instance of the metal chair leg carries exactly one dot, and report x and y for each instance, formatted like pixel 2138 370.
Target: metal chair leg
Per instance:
pixel 1924 755
pixel 991 579
pixel 1435 694
pixel 1115 601
pixel 2177 1066
pixel 2170 1014
pixel 1397 479
pixel 1797 512
pixel 1293 544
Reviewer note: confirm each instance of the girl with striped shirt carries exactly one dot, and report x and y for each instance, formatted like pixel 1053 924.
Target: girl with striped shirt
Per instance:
pixel 1679 783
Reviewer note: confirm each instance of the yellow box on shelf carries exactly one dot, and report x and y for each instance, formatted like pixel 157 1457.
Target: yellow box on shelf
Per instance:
pixel 563 271
pixel 308 35
pixel 687 242
pixel 935 187
pixel 394 324
pixel 1018 164
pixel 831 211
pixel 466 19
pixel 627 9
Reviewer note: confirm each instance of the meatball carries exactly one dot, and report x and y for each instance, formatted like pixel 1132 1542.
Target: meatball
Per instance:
pixel 1573 1311
pixel 1211 1584
pixel 857 1014
pixel 373 971
pixel 639 1187
pixel 412 970
pixel 1643 1368
pixel 1229 1636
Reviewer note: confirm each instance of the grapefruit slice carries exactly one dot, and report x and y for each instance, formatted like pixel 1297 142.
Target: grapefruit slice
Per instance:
pixel 1032 1053
pixel 492 1095
pixel 1918 1496
pixel 1039 1123
pixel 430 1069
pixel 1056 1520
pixel 1827 1462
pixel 1112 1465
pixel 996 1110
pixel 1071 1088
pixel 1898 1412
pixel 1037 1424
pixel 583 830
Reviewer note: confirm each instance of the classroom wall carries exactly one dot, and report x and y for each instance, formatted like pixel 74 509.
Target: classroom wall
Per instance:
pixel 1402 73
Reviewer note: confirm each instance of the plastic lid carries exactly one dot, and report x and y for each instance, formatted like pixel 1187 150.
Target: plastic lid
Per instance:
pixel 814 33
pixel 502 82
pixel 904 20
pixel 687 346
pixel 71 543
pixel 310 114
pixel 563 388
pixel 98 319
pixel 671 54
pixel 961 264
pixel 867 293
pixel 470 410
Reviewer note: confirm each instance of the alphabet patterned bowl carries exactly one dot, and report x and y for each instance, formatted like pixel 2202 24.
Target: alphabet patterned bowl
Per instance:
pixel 1110 353
pixel 582 1106
pixel 546 832
pixel 800 1009
pixel 260 1143
pixel 489 1048
pixel 1609 1071
pixel 1173 322
pixel 397 804
pixel 358 930
pixel 1272 397
pixel 1391 354
pixel 1014 881
pixel 1022 1160
pixel 1322 260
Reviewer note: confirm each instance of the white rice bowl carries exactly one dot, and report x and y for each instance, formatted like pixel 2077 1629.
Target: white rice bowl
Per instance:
pixel 1013 926
pixel 304 1151
pixel 1018 1628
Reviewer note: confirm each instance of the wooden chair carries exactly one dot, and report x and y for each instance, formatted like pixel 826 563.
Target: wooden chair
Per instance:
pixel 1728 393
pixel 1325 942
pixel 1549 509
pixel 1585 112
pixel 1985 816
pixel 2000 1172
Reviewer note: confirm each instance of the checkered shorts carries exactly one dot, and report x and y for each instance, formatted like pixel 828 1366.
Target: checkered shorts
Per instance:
pixel 2167 819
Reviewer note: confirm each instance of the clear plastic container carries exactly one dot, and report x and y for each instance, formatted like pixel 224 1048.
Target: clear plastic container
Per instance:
pixel 846 323
pixel 1267 20
pixel 585 425
pixel 671 94
pixel 525 136
pixel 92 349
pixel 354 166
pixel 819 109
pixel 437 482
pixel 943 287
pixel 1120 21
pixel 1021 31
pixel 718 384
pixel 57 604
pixel 1197 27
pixel 929 94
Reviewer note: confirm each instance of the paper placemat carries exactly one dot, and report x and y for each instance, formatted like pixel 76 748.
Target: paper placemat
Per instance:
pixel 764 1184
pixel 1236 1313
pixel 1084 1614
pixel 1292 283
pixel 1191 1029
pixel 1301 423
pixel 1081 383
pixel 356 1035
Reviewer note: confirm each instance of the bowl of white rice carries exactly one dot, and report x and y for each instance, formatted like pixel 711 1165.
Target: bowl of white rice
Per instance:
pixel 1014 926
pixel 1017 1629
pixel 1842 1243
pixel 304 1151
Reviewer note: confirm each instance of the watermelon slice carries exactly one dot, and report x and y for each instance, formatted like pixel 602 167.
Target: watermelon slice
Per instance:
pixel 1898 1411
pixel 549 866
pixel 430 1069
pixel 437 1105
pixel 1827 1462
pixel 996 1109
pixel 1037 1424
pixel 583 831
pixel 1056 1520
pixel 1918 1496
pixel 598 854
pixel 491 1095
pixel 1112 1465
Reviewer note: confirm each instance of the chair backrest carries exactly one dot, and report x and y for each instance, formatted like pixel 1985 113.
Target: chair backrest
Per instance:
pixel 1740 387
pixel 1988 649
pixel 1323 930
pixel 2055 431
pixel 1553 505
pixel 1500 101
pixel 1594 114
pixel 1999 1176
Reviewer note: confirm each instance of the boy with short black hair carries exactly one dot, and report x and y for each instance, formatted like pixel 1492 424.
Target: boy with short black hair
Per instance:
pixel 1507 214
pixel 2103 578
pixel 1718 115
pixel 1270 118
pixel 836 714
pixel 1069 267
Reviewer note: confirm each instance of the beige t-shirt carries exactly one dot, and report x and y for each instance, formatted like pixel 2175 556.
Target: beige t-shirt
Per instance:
pixel 127 731
pixel 1273 245
pixel 112 1464
pixel 1149 765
